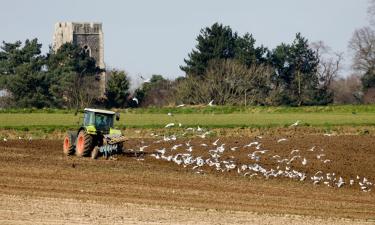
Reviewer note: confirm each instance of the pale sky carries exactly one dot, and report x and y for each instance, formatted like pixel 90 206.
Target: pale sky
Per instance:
pixel 153 37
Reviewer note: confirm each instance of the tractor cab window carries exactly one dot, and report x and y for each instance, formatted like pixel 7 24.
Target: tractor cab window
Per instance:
pixel 103 121
pixel 88 118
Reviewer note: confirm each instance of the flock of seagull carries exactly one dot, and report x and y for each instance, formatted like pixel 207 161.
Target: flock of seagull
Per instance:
pixel 260 162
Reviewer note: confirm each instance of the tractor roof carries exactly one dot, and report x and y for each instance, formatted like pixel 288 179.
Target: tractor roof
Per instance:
pixel 100 111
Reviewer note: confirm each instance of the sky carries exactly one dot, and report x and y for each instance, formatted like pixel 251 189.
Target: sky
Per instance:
pixel 153 37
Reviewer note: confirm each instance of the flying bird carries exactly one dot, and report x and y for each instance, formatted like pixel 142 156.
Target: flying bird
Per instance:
pixel 136 100
pixel 215 142
pixel 169 125
pixel 295 124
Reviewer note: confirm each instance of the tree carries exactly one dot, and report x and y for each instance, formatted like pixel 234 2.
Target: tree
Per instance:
pixel 227 82
pixel 157 92
pixel 74 76
pixel 295 76
pixel 117 89
pixel 21 69
pixel 220 42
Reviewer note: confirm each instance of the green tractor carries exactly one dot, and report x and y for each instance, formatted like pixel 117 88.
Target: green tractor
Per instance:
pixel 96 135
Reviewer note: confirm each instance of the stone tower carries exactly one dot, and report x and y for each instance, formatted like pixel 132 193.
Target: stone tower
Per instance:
pixel 87 35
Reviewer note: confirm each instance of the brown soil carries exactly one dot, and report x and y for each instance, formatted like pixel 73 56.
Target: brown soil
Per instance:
pixel 35 178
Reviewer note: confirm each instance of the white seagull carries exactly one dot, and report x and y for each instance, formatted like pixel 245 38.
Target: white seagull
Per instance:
pixel 281 139
pixel 210 103
pixel 295 124
pixel 169 125
pixel 136 100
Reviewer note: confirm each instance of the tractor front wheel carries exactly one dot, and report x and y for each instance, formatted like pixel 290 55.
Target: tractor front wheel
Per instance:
pixel 84 144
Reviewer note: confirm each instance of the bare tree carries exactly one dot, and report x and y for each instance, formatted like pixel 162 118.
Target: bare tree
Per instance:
pixel 347 90
pixel 329 63
pixel 227 82
pixel 363 46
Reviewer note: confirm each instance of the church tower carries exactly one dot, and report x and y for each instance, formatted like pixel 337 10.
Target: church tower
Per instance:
pixel 89 36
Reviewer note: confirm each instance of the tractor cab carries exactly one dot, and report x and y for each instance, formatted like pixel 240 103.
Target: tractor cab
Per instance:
pixel 101 120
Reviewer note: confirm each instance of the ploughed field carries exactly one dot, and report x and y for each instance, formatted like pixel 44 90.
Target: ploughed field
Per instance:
pixel 313 176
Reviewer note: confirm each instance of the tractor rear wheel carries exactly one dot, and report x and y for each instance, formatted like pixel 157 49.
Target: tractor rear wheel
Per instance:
pixel 68 146
pixel 84 144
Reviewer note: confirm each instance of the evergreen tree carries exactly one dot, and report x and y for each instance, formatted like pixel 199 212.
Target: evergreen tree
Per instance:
pixel 117 89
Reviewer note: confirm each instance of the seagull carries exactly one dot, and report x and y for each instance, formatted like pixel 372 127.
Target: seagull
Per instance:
pixel 176 146
pixel 295 124
pixel 145 80
pixel 258 146
pixel 182 105
pixel 311 149
pixel 319 156
pixel 251 144
pixel 190 149
pixel 293 151
pixel 204 145
pixel 19 138
pixel 328 135
pixel 170 114
pixel 169 125
pixel 161 151
pixel 210 103
pixel 136 100
pixel 304 161
pixel 5 140
pixel 142 148
pixel 340 183
pixel 326 161
pixel 199 129
pixel 233 148
pixel 215 142
pixel 204 135
pixel 280 140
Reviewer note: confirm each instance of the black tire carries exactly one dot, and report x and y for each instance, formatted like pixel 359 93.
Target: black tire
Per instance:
pixel 69 143
pixel 95 152
pixel 119 148
pixel 84 144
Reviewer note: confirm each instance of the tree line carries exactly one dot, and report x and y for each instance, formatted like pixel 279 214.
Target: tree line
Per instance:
pixel 224 67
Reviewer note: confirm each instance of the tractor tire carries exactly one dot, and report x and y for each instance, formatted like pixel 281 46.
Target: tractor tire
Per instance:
pixel 68 145
pixel 84 144
pixel 95 152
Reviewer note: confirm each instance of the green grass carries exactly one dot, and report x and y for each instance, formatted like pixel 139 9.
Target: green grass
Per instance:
pixel 261 118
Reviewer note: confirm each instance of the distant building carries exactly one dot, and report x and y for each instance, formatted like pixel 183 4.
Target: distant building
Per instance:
pixel 89 36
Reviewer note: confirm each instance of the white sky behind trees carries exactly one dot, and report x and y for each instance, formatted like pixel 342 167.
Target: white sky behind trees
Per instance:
pixel 153 37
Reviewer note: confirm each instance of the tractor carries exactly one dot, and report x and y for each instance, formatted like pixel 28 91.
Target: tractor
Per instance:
pixel 96 136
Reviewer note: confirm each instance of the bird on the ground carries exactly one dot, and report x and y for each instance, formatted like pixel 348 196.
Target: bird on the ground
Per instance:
pixel 199 129
pixel 169 125
pixel 176 146
pixel 170 114
pixel 142 148
pixel 326 161
pixel 161 151
pixel 311 149
pixel 281 139
pixel 190 149
pixel 19 138
pixel 182 105
pixel 320 156
pixel 258 146
pixel 295 124
pixel 304 161
pixel 294 151
pixel 251 144
pixel 204 145
pixel 211 103
pixel 5 140
pixel 341 182
pixel 233 148
pixel 136 100
pixel 329 135
pixel 204 135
